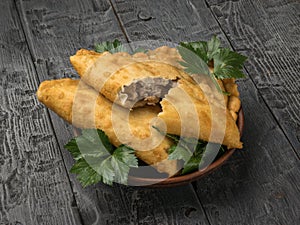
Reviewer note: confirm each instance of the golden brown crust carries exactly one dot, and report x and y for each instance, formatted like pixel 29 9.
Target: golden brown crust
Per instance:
pixel 137 70
pixel 55 97
pixel 203 109
pixel 74 103
pixel 108 73
pixel 234 102
pixel 83 59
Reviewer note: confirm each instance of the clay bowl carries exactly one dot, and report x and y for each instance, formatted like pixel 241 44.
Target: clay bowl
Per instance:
pixel 183 179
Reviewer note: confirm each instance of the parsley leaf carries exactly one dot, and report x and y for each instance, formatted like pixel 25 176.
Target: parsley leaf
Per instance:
pixel 192 164
pixel 200 48
pixel 213 47
pixel 191 62
pixel 196 158
pixel 179 152
pixel 190 150
pixel 110 46
pixel 116 46
pixel 73 149
pixel 123 158
pixel 194 153
pixel 85 173
pixel 98 160
pixel 226 63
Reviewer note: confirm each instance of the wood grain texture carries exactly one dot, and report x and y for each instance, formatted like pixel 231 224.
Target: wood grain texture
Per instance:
pixel 132 205
pixel 259 184
pixel 268 32
pixel 57 29
pixel 66 27
pixel 34 186
pixel 165 20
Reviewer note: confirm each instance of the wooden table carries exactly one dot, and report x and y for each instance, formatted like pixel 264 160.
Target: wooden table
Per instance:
pixel 258 185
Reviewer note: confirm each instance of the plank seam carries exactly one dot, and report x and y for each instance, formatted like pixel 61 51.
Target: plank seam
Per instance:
pixel 47 111
pixel 195 187
pixel 258 91
pixel 119 21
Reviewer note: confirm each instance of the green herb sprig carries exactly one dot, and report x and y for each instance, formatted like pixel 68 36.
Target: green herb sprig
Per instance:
pixel 115 46
pixel 191 151
pixel 98 160
pixel 110 46
pixel 225 63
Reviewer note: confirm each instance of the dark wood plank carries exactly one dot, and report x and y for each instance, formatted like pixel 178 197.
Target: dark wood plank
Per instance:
pixel 34 186
pixel 165 20
pixel 56 31
pixel 259 184
pixel 133 205
pixel 268 32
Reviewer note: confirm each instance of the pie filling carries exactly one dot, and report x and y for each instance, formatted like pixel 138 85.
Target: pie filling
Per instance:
pixel 146 91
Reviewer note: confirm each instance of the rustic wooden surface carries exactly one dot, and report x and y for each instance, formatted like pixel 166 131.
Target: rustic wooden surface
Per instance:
pixel 34 186
pixel 258 185
pixel 268 32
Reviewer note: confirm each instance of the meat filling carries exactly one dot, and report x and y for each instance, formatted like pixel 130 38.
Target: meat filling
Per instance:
pixel 145 91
